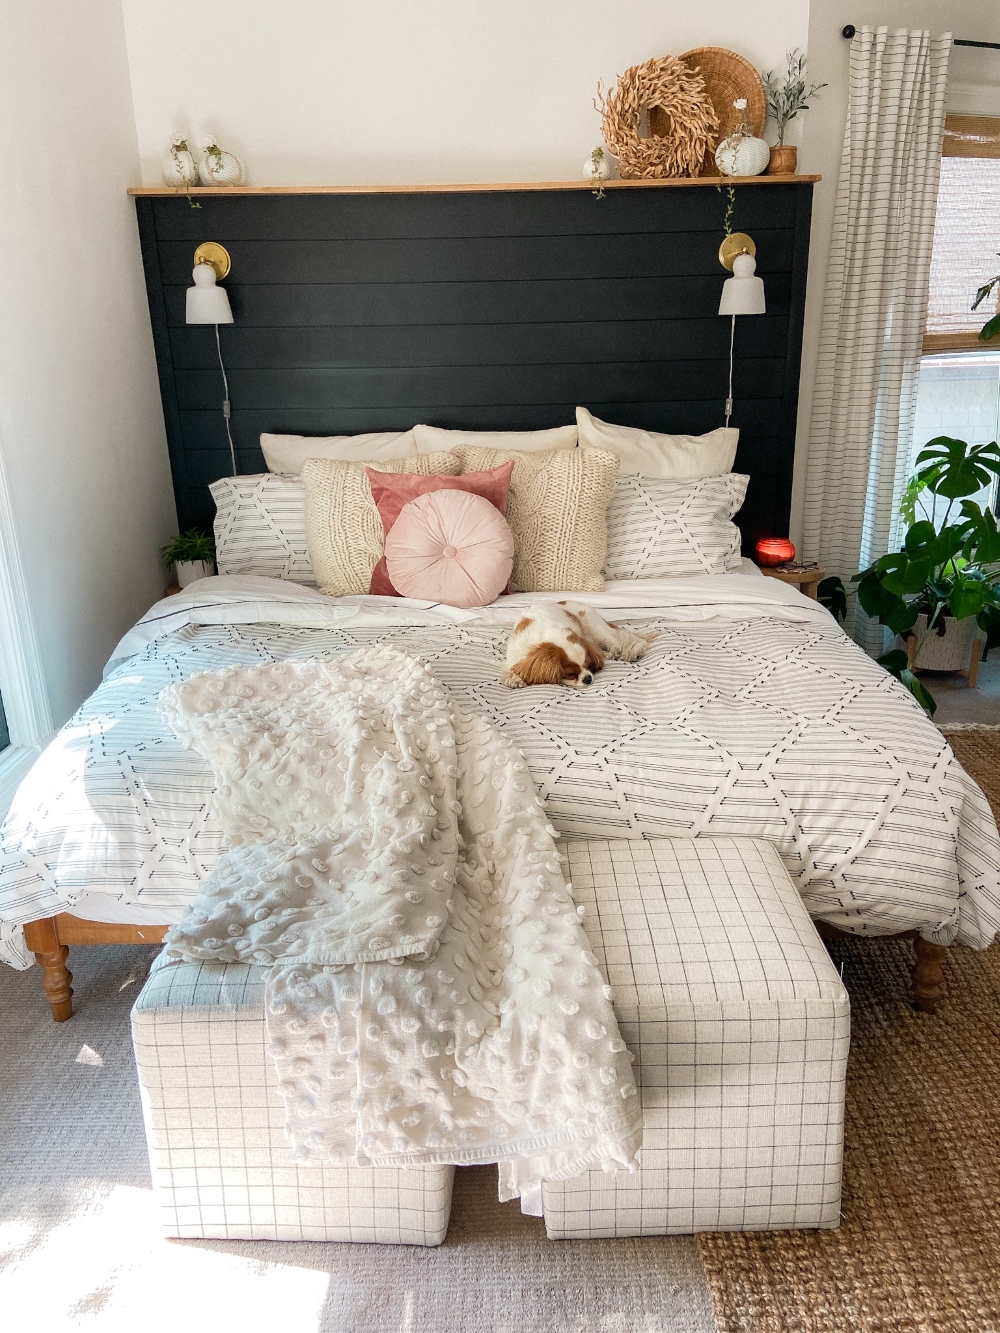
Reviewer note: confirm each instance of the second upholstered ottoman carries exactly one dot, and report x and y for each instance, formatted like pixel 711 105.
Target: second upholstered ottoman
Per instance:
pixel 215 1121
pixel 740 1028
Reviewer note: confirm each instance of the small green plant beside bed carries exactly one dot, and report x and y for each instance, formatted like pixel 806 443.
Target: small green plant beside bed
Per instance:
pixel 948 568
pixel 192 555
pixel 188 547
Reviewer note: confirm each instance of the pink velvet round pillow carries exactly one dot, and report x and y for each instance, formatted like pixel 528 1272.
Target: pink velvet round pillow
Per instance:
pixel 451 547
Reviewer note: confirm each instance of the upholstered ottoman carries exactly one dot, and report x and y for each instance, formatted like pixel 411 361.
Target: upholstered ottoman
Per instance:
pixel 740 1028
pixel 215 1127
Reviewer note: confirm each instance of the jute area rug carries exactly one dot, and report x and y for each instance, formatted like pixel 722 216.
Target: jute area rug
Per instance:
pixel 918 1250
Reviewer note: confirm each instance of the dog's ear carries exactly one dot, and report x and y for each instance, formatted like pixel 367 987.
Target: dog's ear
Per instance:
pixel 595 657
pixel 545 664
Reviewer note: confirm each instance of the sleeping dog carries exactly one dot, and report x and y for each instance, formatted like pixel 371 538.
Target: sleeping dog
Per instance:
pixel 564 643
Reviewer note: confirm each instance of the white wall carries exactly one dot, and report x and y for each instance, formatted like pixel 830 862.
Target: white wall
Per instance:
pixel 81 428
pixel 392 91
pixel 829 56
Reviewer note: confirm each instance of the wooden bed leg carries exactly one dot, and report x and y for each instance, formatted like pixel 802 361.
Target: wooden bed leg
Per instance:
pixel 42 938
pixel 928 978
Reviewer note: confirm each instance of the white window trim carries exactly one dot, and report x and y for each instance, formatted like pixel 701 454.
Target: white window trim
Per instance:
pixel 22 682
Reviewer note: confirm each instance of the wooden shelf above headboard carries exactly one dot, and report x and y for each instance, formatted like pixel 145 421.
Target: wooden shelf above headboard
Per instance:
pixel 486 186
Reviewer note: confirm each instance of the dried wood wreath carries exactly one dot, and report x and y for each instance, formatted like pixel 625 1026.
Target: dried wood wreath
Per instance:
pixel 690 120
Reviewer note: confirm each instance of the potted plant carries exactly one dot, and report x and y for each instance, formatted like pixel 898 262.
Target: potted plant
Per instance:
pixel 943 584
pixel 992 326
pixel 785 99
pixel 192 555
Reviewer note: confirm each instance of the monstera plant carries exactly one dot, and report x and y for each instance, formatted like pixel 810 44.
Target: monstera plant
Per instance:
pixel 948 568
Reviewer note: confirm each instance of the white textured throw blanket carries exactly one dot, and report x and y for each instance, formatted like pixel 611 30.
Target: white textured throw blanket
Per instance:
pixel 432 996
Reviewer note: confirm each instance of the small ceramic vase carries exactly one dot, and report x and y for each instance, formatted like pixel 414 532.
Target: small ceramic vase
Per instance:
pixel 597 168
pixel 218 167
pixel 179 167
pixel 189 571
pixel 784 159
pixel 742 155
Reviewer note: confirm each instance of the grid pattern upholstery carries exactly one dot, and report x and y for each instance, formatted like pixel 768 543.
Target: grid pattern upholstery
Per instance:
pixel 215 1121
pixel 740 1028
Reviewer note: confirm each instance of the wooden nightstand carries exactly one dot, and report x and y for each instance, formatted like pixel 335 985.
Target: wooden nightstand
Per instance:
pixel 806 580
pixel 172 590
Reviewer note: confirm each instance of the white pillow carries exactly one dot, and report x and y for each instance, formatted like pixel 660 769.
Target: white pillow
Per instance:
pixel 260 527
pixel 524 441
pixel 646 453
pixel 287 453
pixel 660 529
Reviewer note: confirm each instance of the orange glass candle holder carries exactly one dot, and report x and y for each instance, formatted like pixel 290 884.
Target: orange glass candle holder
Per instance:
pixel 774 551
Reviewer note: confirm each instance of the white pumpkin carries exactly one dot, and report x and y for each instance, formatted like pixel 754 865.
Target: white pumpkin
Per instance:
pixel 599 171
pixel 179 167
pixel 737 156
pixel 218 167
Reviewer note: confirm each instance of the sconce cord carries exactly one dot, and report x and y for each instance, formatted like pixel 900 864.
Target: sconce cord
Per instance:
pixel 729 400
pixel 227 409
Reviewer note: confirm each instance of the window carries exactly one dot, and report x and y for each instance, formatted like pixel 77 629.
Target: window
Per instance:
pixel 959 387
pixel 966 233
pixel 24 709
pixel 959 395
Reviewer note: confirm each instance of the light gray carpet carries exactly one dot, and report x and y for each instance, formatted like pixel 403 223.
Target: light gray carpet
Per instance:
pixel 80 1249
pixel 957 703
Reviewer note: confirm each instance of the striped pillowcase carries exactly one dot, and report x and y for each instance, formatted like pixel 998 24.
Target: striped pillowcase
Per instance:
pixel 661 529
pixel 260 527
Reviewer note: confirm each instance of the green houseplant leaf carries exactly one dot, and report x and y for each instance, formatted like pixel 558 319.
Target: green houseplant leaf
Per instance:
pixel 895 663
pixel 185 546
pixel 832 594
pixel 948 564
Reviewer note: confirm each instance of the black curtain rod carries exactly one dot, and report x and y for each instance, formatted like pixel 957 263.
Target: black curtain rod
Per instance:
pixel 850 30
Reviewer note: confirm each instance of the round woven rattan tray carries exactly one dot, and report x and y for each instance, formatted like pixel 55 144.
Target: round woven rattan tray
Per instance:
pixel 727 76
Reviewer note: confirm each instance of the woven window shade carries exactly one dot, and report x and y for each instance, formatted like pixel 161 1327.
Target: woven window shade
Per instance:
pixel 966 233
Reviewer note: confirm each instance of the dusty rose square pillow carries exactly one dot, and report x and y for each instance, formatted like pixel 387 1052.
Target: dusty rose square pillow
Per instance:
pixel 392 490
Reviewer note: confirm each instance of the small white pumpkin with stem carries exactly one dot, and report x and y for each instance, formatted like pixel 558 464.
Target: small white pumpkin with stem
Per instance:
pixel 742 153
pixel 217 167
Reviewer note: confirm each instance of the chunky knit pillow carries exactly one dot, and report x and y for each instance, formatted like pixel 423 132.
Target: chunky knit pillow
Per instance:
pixel 556 511
pixel 661 529
pixel 343 528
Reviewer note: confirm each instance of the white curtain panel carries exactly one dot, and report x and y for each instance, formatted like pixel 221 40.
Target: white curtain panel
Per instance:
pixel 876 301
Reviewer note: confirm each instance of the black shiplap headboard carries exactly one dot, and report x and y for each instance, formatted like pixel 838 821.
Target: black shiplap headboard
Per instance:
pixel 478 309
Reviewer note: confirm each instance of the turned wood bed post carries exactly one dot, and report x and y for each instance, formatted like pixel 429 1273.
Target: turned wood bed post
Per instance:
pixel 42 938
pixel 927 976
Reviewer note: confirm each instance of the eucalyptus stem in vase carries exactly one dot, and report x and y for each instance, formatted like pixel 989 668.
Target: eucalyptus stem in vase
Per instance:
pixel 786 97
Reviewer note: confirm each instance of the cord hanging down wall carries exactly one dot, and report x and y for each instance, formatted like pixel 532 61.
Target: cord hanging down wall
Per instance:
pixel 849 31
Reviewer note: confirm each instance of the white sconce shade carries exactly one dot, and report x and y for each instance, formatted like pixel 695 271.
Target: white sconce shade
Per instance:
pixel 743 293
pixel 208 303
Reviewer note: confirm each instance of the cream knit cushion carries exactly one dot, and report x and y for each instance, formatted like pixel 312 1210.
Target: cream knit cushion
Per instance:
pixel 343 528
pixel 556 511
pixel 527 441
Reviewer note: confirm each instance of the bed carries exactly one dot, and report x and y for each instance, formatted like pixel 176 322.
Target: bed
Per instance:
pixel 753 714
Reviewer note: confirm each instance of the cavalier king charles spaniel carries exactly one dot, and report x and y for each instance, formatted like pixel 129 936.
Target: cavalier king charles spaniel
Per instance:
pixel 565 643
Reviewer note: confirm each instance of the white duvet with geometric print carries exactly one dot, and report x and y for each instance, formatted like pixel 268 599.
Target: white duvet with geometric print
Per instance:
pixel 751 715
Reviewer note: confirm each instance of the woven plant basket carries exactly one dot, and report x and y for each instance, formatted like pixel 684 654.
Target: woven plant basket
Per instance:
pixel 727 76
